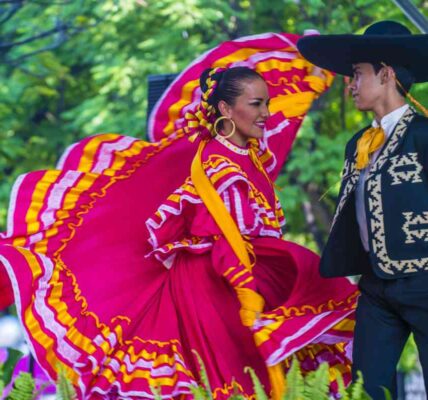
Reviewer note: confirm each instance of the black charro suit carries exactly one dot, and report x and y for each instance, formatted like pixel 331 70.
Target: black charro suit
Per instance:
pixel 394 283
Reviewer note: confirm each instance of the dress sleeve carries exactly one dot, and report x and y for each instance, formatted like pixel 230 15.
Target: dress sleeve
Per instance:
pixel 250 212
pixel 291 102
pixel 237 199
pixel 235 192
pixel 248 206
pixel 240 279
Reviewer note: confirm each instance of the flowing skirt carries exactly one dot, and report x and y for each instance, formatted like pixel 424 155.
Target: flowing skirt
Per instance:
pixel 118 322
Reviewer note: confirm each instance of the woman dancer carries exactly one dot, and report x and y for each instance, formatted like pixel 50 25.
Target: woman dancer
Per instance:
pixel 119 273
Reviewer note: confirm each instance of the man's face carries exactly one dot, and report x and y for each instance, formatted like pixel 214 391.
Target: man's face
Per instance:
pixel 366 87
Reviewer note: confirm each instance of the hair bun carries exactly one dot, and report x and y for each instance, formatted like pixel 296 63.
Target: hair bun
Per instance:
pixel 203 79
pixel 214 74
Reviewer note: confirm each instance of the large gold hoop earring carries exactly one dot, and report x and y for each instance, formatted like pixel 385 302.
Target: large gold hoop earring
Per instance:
pixel 221 119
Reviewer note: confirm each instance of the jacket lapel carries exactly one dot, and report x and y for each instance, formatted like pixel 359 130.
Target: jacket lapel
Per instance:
pixel 392 143
pixel 350 177
pixel 351 174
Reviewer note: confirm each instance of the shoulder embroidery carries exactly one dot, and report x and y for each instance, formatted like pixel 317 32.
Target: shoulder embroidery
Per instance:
pixel 222 172
pixel 405 168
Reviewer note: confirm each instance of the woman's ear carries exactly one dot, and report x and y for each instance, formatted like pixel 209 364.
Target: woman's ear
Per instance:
pixel 224 108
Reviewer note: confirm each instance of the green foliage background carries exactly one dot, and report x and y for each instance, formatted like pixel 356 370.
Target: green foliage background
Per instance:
pixel 73 68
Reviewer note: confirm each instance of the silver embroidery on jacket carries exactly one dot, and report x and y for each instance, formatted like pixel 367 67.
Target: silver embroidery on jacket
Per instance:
pixel 415 226
pixel 377 226
pixel 405 168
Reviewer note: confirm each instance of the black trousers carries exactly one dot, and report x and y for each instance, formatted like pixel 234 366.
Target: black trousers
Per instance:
pixel 387 311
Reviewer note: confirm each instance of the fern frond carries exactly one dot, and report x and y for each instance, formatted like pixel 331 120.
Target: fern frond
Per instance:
pixel 236 393
pixel 237 397
pixel 295 382
pixel 259 390
pixel 317 383
pixel 41 389
pixel 199 393
pixel 341 388
pixel 356 389
pixel 64 388
pixel 387 393
pixel 204 376
pixel 23 387
pixel 156 391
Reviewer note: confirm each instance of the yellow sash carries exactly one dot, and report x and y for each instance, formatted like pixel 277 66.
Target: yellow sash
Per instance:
pixel 251 302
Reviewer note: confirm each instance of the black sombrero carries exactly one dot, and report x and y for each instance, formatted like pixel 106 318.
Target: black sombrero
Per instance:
pixel 384 41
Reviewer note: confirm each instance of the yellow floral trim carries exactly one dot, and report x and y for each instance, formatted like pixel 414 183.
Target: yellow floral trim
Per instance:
pixel 331 305
pixel 214 161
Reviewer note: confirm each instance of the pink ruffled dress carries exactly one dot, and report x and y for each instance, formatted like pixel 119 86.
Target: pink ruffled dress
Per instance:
pixel 119 273
pixel 119 270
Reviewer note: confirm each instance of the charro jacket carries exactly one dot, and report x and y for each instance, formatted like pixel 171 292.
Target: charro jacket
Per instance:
pixel 396 204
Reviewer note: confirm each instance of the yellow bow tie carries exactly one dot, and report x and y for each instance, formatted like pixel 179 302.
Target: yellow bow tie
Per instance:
pixel 371 140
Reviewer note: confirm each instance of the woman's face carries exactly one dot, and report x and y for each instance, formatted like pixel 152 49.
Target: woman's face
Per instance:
pixel 249 112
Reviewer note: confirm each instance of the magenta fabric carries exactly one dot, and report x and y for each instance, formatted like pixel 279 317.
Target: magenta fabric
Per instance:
pixel 119 271
pixel 124 275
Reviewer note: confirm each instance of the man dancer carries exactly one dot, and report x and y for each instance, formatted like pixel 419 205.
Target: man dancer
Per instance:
pixel 380 228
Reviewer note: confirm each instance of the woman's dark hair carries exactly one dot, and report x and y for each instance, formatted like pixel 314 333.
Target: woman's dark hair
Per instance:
pixel 402 74
pixel 229 84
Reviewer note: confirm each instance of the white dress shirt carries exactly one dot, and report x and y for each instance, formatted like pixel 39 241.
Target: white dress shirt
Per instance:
pixel 388 123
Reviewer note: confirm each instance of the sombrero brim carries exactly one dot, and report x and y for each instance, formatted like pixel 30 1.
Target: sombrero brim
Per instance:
pixel 337 53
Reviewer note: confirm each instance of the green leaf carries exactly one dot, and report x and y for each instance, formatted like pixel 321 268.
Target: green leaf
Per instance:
pixel 64 388
pixel 387 393
pixel 295 382
pixel 317 383
pixel 341 388
pixel 259 390
pixel 204 376
pixel 7 368
pixel 23 387
pixel 45 91
pixel 409 360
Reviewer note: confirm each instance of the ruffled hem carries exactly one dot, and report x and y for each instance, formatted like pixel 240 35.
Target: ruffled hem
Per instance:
pixel 166 254
pixel 315 321
pixel 281 336
pixel 46 207
pixel 98 358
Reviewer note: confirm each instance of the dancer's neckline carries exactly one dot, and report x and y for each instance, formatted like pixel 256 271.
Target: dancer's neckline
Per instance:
pixel 232 147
